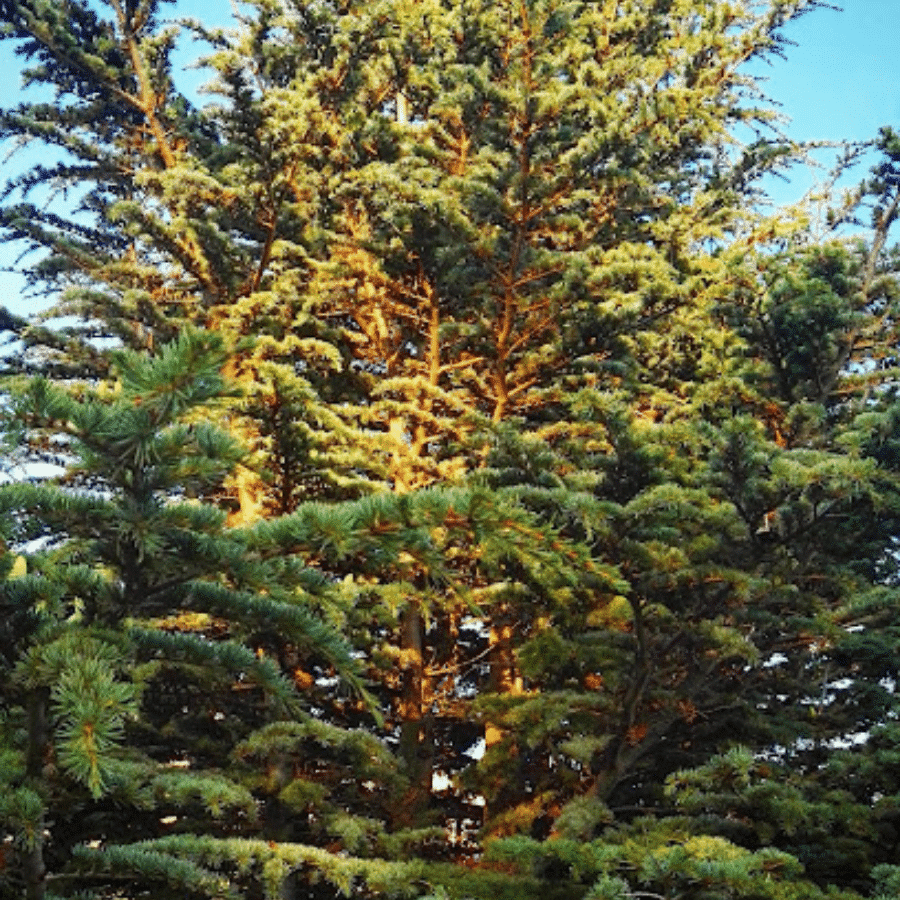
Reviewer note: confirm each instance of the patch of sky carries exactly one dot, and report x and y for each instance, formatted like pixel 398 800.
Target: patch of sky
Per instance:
pixel 835 83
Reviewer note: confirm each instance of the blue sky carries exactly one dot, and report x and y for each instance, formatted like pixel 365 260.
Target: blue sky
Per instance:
pixel 839 83
pixel 841 80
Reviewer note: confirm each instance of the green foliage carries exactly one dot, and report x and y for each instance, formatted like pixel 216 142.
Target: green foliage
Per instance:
pixel 441 383
pixel 22 813
pixel 154 867
pixel 128 542
pixel 90 706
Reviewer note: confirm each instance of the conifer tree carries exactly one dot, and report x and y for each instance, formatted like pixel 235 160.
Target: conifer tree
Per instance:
pixel 509 214
pixel 490 279
pixel 774 526
pixel 132 601
pixel 144 691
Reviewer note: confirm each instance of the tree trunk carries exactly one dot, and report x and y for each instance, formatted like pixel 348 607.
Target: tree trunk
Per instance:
pixel 504 679
pixel 505 676
pixel 415 739
pixel 34 870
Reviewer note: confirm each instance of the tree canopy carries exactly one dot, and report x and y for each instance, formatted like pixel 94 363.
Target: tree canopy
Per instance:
pixel 437 476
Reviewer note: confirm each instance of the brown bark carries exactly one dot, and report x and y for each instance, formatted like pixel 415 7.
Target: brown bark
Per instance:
pixel 416 747
pixel 415 739
pixel 250 490
pixel 33 865
pixel 505 676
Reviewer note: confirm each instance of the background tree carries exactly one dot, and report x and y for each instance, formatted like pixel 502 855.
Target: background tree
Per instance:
pixel 491 283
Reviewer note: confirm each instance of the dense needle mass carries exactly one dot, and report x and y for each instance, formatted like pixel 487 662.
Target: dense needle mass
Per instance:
pixel 463 490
